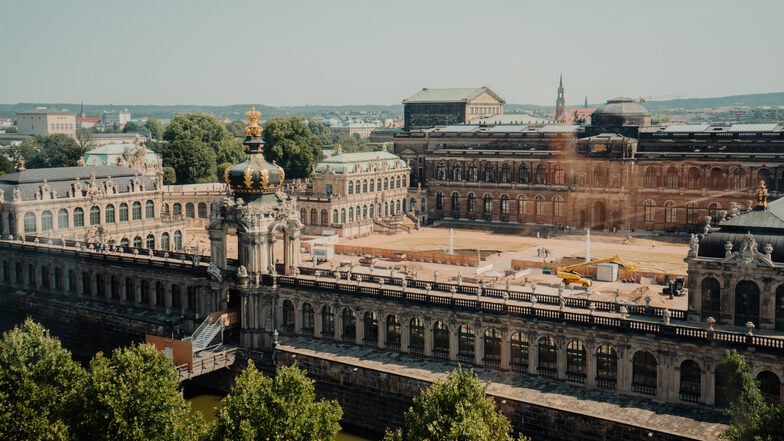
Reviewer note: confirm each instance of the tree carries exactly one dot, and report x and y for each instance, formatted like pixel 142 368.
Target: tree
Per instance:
pixel 38 381
pixel 320 130
pixel 132 127
pixel 352 143
pixel 85 139
pixel 46 151
pixel 260 408
pixel 191 160
pixel 194 132
pixel 290 144
pixel 236 128
pixel 229 150
pixel 222 170
pixel 169 176
pixel 134 395
pixel 155 127
pixel 752 418
pixel 456 408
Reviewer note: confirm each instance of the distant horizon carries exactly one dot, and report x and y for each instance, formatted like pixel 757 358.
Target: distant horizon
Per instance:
pixel 581 102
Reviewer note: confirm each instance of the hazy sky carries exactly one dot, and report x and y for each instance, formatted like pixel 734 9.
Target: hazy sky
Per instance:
pixel 289 52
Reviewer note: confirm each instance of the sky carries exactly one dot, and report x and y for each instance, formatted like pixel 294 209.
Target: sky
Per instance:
pixel 339 52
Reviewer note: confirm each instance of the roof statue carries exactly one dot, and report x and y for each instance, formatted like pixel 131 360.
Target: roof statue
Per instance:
pixel 253 129
pixel 762 196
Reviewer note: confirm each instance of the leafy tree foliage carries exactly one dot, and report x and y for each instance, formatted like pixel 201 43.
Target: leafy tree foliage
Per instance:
pixel 6 165
pixel 284 408
pixel 290 144
pixel 132 127
pixel 352 143
pixel 195 139
pixel 85 139
pixel 322 131
pixel 134 395
pixel 236 128
pixel 191 160
pixel 155 127
pixel 752 418
pixel 456 408
pixel 45 151
pixel 169 176
pixel 222 170
pixel 38 380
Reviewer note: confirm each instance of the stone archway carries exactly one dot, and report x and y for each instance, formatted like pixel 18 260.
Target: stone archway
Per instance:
pixel 599 215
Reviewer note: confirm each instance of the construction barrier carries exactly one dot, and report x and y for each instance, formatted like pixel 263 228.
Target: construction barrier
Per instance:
pixel 411 256
pixel 590 271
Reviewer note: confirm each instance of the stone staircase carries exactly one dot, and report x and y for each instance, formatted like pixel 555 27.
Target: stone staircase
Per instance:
pixel 396 224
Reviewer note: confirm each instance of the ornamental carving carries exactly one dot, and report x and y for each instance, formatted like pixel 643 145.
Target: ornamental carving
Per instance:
pixel 749 254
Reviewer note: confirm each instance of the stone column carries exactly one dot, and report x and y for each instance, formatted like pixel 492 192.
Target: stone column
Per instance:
pixel 561 345
pixel 79 283
pixel 695 296
pixel 107 287
pixel 533 353
pixel 338 324
pixel 428 333
pixel 727 300
pixel 297 318
pixel 506 349
pixel 479 346
pixel 359 328
pixel 453 341
pixel 381 338
pixel 26 277
pixel 767 318
pixel 405 333
pixel 167 295
pixel 590 365
pixel 624 369
pixel 94 285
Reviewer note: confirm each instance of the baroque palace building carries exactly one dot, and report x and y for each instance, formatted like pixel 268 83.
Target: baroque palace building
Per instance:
pixel 617 174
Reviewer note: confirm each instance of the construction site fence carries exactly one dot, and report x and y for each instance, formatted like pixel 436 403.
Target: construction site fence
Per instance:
pixel 411 256
pixel 657 277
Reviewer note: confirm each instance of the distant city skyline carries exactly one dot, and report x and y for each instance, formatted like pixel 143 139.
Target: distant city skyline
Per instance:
pixel 356 52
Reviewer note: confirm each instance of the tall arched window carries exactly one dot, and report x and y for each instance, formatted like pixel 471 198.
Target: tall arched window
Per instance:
pixel 439 201
pixel 288 320
pixel 557 207
pixel 540 175
pixel 539 206
pixel 465 342
pixel 165 241
pixel 473 172
pixel 457 173
pixel 46 221
pixel 416 335
pixel 649 210
pixel 548 357
pixel 440 339
pixel 471 202
pixel 488 204
pixel 519 352
pixel 506 174
pixel 650 180
pixel 314 216
pixel 328 321
pixel 335 216
pixel 137 211
pixel 109 214
pixel 364 186
pixel 308 318
pixel 393 331
pixel 149 209
pixel 350 188
pixel 716 180
pixel 575 361
pixel 124 212
pixel 190 212
pixel 95 215
pixel 492 343
pixel 601 177
pixel 606 367
pixel 202 210
pixel 342 215
pixel 644 375
pixel 558 175
pixel 303 215
pixel 693 178
pixel 386 183
pixel 178 240
pixel 523 175
pixel 370 323
pixel 672 178
pixel 177 209
pixel 522 203
pixel 747 303
pixel 692 213
pixel 710 290
pixel 766 175
pixel 505 205
pixel 137 242
pixel 455 201
pixel 738 180
pixel 691 381
pixel 29 222
pixel 62 219
pixel 351 214
pixel 441 171
pixel 670 212
pixel 713 211
pixel 150 242
pixel 324 218
pixel 357 187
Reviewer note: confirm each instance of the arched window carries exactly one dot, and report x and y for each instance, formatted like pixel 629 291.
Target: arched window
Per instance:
pixel 62 219
pixel 350 187
pixel 177 240
pixel 29 222
pixel 473 172
pixel 738 179
pixel 519 352
pixel 351 214
pixel 523 175
pixel 137 211
pixel 649 210
pixel 324 218
pixel 539 206
pixel 150 242
pixel 373 186
pixel 711 298
pixel 716 180
pixel 397 182
pixel 575 361
pixel 471 202
pixel 440 340
pixel 124 212
pixel 670 212
pixel 109 214
pixel 342 215
pixel 522 203
pixel 95 215
pixel 202 210
pixel 124 242
pixel 557 206
pixel 137 242
pixel 393 331
pixel 335 216
pixel 770 386
pixel 692 213
pixel 713 211
pixel 691 381
pixel 606 367
pixel 672 178
pixel 303 217
pixel 465 342
pixel 371 211
pixel 747 303
pixel 288 321
pixel 441 171
pixel 455 201
pixel 488 204
pixel 349 325
pixel 693 178
pixel 650 180
pixel 165 241
pixel 314 216
pixel 177 209
pixel 540 175
pixel 386 183
pixel 370 336
pixel 328 321
pixel 364 186
pixel 766 175
pixel 548 357
pixel 644 373
pixel 46 221
pixel 149 209
pixel 457 173
pixel 505 205
pixel 378 184
pixel 416 335
pixel 558 175
pixel 78 217
pixel 357 186
pixel 779 307
pixel 308 318
pixel 492 343
pixel 190 212
pixel 506 174
pixel 439 201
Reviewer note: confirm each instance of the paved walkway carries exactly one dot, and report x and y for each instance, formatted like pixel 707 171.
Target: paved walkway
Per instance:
pixel 696 422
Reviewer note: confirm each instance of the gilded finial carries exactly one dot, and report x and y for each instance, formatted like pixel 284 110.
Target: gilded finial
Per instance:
pixel 762 196
pixel 20 164
pixel 253 128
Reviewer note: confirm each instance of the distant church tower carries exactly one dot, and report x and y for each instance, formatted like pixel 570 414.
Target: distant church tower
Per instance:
pixel 560 103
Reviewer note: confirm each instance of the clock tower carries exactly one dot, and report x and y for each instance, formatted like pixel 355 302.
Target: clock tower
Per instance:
pixel 560 103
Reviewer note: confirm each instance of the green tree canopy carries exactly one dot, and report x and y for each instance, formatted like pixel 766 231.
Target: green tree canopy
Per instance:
pixel 321 131
pixel 38 380
pixel 85 139
pixel 190 136
pixel 290 144
pixel 155 127
pixel 237 128
pixel 169 176
pixel 132 127
pixel 260 408
pixel 134 395
pixel 46 151
pixel 456 408
pixel 752 418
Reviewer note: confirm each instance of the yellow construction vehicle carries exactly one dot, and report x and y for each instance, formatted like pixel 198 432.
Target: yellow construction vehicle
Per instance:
pixel 570 275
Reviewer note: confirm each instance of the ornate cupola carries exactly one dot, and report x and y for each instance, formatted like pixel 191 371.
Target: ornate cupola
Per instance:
pixel 254 177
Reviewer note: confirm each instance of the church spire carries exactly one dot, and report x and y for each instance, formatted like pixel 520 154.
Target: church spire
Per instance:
pixel 586 102
pixel 560 102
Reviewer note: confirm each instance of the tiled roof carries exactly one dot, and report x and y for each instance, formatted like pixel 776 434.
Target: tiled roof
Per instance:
pixel 345 161
pixel 456 95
